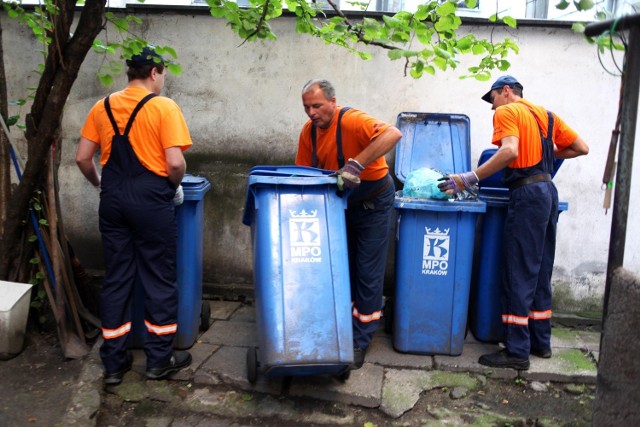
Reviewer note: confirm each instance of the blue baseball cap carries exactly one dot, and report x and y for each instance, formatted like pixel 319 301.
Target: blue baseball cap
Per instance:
pixel 148 56
pixel 499 84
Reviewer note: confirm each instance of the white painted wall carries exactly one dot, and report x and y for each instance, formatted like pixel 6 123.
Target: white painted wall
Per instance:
pixel 242 104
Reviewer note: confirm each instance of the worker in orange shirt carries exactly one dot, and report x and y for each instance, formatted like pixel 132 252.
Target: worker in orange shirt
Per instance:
pixel 354 144
pixel 529 139
pixel 141 137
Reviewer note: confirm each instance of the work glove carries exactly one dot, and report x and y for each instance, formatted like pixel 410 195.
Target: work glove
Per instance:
pixel 179 196
pixel 454 184
pixel 349 175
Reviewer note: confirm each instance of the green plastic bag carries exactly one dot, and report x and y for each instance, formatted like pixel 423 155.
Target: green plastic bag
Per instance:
pixel 423 184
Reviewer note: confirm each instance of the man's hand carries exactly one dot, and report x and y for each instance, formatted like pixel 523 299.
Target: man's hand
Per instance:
pixel 350 174
pixel 179 196
pixel 454 184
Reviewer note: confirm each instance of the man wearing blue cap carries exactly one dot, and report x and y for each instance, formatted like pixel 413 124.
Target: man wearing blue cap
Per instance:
pixel 141 137
pixel 529 138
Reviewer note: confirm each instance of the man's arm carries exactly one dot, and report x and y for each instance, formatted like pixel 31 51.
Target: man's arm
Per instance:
pixel 507 153
pixel 577 148
pixel 84 159
pixel 176 165
pixel 380 146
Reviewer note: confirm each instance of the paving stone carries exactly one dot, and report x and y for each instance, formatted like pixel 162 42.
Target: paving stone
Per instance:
pixel 245 313
pixel 228 365
pixel 363 388
pixel 402 390
pixel 468 361
pixel 200 352
pixel 222 332
pixel 381 352
pixel 222 310
pixel 566 365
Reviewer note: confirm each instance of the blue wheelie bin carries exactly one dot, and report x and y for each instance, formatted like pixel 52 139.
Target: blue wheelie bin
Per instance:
pixel 193 314
pixel 485 307
pixel 434 240
pixel 301 273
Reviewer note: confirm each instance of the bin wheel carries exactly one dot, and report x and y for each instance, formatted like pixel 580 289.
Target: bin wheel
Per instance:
pixel 252 364
pixel 387 313
pixel 205 316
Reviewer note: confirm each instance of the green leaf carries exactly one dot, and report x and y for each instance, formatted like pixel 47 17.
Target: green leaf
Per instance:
pixel 471 4
pixel 464 44
pixel 478 49
pixel 105 79
pixel 12 120
pixel 510 21
pixel 32 238
pixel 493 18
pixel 394 54
pixel 584 4
pixel 429 69
pixel 440 63
pixel 578 27
pixel 174 69
pixel 503 65
pixel 445 23
pixel 562 5
pixel 34 261
pixel 446 8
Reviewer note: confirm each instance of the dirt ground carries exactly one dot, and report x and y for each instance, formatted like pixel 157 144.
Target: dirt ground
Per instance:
pixel 36 388
pixel 498 403
pixel 36 385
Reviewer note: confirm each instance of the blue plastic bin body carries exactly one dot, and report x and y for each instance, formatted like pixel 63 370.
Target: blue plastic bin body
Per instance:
pixel 301 271
pixel 190 220
pixel 434 247
pixel 485 307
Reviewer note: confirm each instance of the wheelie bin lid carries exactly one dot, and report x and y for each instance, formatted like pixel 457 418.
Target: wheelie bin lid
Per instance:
pixel 495 180
pixel 269 175
pixel 437 141
pixel 433 140
pixel 194 187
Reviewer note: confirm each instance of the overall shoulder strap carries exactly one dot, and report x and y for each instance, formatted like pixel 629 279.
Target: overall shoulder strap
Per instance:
pixel 135 112
pixel 107 107
pixel 339 137
pixel 314 156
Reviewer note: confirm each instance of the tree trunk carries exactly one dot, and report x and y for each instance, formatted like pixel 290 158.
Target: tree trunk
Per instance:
pixel 5 175
pixel 64 58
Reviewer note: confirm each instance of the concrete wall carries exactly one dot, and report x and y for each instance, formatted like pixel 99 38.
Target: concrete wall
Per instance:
pixel 242 104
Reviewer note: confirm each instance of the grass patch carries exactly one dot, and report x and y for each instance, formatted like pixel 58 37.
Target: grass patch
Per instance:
pixel 577 359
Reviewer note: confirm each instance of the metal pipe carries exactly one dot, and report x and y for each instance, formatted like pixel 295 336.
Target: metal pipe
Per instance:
pixel 622 190
pixel 620 24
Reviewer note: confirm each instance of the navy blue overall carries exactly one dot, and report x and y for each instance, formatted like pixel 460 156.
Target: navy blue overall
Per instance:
pixel 368 219
pixel 529 252
pixel 139 235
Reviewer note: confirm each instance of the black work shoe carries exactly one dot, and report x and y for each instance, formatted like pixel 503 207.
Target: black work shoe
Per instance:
pixel 179 360
pixel 544 353
pixel 115 378
pixel 358 358
pixel 501 359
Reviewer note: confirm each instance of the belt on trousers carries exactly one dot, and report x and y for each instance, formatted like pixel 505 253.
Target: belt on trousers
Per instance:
pixel 544 177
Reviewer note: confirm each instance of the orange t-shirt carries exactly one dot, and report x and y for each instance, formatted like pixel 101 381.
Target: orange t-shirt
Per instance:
pixel 158 125
pixel 358 131
pixel 516 119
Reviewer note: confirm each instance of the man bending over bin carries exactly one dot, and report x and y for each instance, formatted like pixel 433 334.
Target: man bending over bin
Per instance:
pixel 354 144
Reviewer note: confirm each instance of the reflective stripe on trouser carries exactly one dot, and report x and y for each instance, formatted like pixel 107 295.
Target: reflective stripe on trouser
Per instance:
pixel 528 256
pixel 139 236
pixel 368 238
